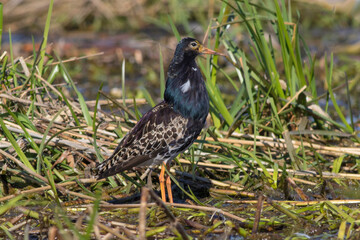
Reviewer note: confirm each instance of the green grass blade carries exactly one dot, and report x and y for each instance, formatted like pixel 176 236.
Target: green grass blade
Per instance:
pixel 27 135
pixel 275 176
pixel 94 126
pixel 283 33
pixel 1 22
pixel 53 74
pixel 340 212
pixel 174 29
pixel 81 99
pixel 49 175
pixel 7 232
pixel 91 223
pixel 277 124
pixel 219 32
pixel 44 142
pixel 123 89
pixel 337 164
pixel 62 218
pixel 73 114
pixel 45 37
pixel 15 145
pixel 248 87
pixel 190 195
pixel 217 100
pixel 136 110
pixel 162 74
pixel 215 97
pixel 329 72
pixel 10 204
pixel 348 96
pixel 148 97
pixel 13 66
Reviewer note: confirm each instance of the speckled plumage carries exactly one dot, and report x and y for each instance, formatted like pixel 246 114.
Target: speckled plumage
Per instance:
pixel 171 126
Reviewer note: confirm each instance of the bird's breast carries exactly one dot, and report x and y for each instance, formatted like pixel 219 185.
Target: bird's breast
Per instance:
pixel 186 92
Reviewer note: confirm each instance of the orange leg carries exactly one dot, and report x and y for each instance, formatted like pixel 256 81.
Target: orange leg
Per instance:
pixel 162 181
pixel 168 186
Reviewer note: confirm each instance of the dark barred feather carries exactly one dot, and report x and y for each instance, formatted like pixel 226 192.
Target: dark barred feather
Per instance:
pixel 159 136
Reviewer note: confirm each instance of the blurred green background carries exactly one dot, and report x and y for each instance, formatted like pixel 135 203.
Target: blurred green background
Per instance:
pixel 137 30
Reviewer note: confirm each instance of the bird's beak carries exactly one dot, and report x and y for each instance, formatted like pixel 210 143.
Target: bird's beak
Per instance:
pixel 204 50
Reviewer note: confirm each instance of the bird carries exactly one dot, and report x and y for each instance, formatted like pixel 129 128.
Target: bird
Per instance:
pixel 171 127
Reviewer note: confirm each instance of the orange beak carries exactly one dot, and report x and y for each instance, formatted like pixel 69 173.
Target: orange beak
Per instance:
pixel 204 50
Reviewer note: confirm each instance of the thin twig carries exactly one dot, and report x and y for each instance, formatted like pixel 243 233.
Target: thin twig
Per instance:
pixel 72 144
pixel 172 218
pixel 139 101
pixel 203 208
pixel 298 190
pixel 298 203
pixel 142 213
pixel 123 107
pixel 109 230
pixel 23 166
pixel 23 101
pixel 258 214
pixel 77 58
pixel 41 189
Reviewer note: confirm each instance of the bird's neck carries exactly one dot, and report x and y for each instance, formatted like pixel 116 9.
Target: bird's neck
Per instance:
pixel 186 90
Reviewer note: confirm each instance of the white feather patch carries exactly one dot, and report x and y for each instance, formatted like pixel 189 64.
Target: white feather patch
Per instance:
pixel 186 86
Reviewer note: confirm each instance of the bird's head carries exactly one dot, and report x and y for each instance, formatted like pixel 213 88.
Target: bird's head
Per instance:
pixel 189 48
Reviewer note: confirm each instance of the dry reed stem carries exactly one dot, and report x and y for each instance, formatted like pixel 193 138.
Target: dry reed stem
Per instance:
pixel 262 141
pixel 57 92
pixel 212 181
pixel 304 181
pixel 118 104
pixel 23 101
pixel 41 189
pixel 172 218
pixel 179 205
pixel 142 213
pixel 280 143
pixel 291 214
pixel 24 167
pixel 324 174
pixel 73 59
pixel 74 144
pixel 286 105
pixel 80 195
pixel 298 190
pixel 132 227
pixel 139 101
pixel 270 170
pixel 298 203
pixel 232 192
pixel 128 233
pixel 17 226
pixel 257 217
pixel 112 231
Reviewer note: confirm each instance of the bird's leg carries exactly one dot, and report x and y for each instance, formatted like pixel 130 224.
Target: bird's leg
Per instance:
pixel 168 185
pixel 162 181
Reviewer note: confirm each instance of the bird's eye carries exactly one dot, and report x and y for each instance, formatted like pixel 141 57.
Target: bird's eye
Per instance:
pixel 193 44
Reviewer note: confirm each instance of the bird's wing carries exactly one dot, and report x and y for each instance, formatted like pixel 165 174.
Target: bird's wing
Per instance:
pixel 160 133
